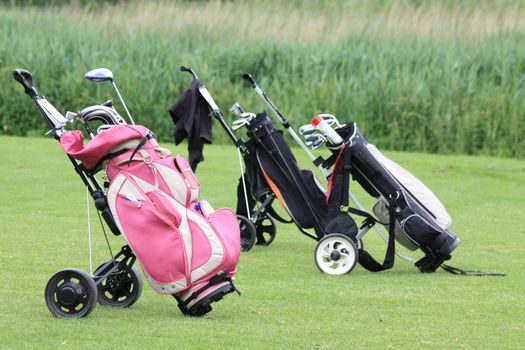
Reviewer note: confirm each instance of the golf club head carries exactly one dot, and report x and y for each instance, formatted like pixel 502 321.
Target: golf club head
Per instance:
pixel 306 129
pixel 236 109
pixel 99 75
pixel 243 120
pixel 314 140
pixel 315 143
pixel 238 123
pixel 71 116
pixel 331 120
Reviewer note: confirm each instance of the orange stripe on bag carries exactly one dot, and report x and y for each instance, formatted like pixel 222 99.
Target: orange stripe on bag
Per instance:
pixel 276 191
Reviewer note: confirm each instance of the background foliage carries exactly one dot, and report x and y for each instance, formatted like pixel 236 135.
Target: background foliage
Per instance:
pixel 443 77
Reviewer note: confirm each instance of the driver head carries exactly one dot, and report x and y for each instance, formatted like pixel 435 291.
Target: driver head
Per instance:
pixel 99 75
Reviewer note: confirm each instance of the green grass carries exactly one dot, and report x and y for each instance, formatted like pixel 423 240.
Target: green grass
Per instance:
pixel 439 77
pixel 286 302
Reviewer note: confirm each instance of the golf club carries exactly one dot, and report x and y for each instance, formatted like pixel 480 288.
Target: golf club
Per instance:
pixel 103 74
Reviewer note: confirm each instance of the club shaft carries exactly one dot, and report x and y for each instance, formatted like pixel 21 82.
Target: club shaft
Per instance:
pixel 285 123
pixel 123 103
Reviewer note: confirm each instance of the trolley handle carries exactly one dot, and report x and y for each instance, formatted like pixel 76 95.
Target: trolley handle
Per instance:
pixel 188 69
pixel 25 79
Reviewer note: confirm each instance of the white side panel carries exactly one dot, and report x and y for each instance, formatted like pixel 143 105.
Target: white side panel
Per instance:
pixel 112 199
pixel 121 185
pixel 168 288
pixel 412 184
pixel 217 251
pixel 206 208
pixel 174 181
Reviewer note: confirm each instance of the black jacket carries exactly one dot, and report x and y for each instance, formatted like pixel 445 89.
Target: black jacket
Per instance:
pixel 192 120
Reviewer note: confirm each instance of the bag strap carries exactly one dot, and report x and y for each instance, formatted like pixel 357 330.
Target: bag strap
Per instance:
pixel 367 261
pixel 278 217
pixel 141 144
pixel 457 271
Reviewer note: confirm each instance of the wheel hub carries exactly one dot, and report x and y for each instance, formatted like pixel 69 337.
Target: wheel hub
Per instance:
pixel 69 293
pixel 335 255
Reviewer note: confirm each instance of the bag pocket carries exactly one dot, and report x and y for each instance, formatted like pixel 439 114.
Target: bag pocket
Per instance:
pixel 226 226
pixel 149 224
pixel 165 209
pixel 418 229
pixel 154 239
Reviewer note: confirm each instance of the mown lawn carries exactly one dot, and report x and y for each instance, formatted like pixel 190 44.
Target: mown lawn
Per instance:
pixel 286 302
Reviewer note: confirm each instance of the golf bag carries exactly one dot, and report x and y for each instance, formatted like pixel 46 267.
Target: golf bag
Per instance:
pixel 409 210
pixel 186 249
pixel 273 169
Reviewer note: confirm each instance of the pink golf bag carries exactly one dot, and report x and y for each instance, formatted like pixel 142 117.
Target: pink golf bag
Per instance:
pixel 185 247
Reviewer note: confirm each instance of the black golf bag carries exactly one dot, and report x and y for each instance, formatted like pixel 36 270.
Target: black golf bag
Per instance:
pixel 272 169
pixel 272 172
pixel 410 211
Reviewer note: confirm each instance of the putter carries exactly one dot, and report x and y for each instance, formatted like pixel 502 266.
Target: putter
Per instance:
pixel 103 74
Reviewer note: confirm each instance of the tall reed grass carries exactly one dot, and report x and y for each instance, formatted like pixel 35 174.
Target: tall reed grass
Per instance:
pixel 436 77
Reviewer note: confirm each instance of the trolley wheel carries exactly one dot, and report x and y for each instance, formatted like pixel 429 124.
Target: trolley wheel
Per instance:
pixel 336 254
pixel 248 233
pixel 119 288
pixel 266 230
pixel 71 293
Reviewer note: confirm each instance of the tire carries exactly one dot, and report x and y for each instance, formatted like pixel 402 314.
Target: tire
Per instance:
pixel 248 233
pixel 336 254
pixel 71 293
pixel 119 288
pixel 266 230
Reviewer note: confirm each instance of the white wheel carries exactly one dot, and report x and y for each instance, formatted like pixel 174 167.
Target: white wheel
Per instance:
pixel 336 254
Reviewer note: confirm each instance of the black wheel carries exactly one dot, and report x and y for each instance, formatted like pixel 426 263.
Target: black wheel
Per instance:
pixel 336 254
pixel 120 288
pixel 266 230
pixel 71 293
pixel 248 233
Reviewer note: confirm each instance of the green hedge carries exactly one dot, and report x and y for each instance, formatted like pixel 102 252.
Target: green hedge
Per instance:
pixel 406 93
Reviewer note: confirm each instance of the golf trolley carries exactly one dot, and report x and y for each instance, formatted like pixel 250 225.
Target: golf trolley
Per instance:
pixel 257 226
pixel 73 293
pixel 271 173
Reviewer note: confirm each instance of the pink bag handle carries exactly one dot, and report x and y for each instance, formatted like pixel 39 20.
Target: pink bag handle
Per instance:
pixel 186 172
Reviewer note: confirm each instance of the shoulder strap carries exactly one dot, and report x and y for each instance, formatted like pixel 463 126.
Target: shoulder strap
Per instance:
pixel 278 217
pixel 367 261
pixel 458 271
